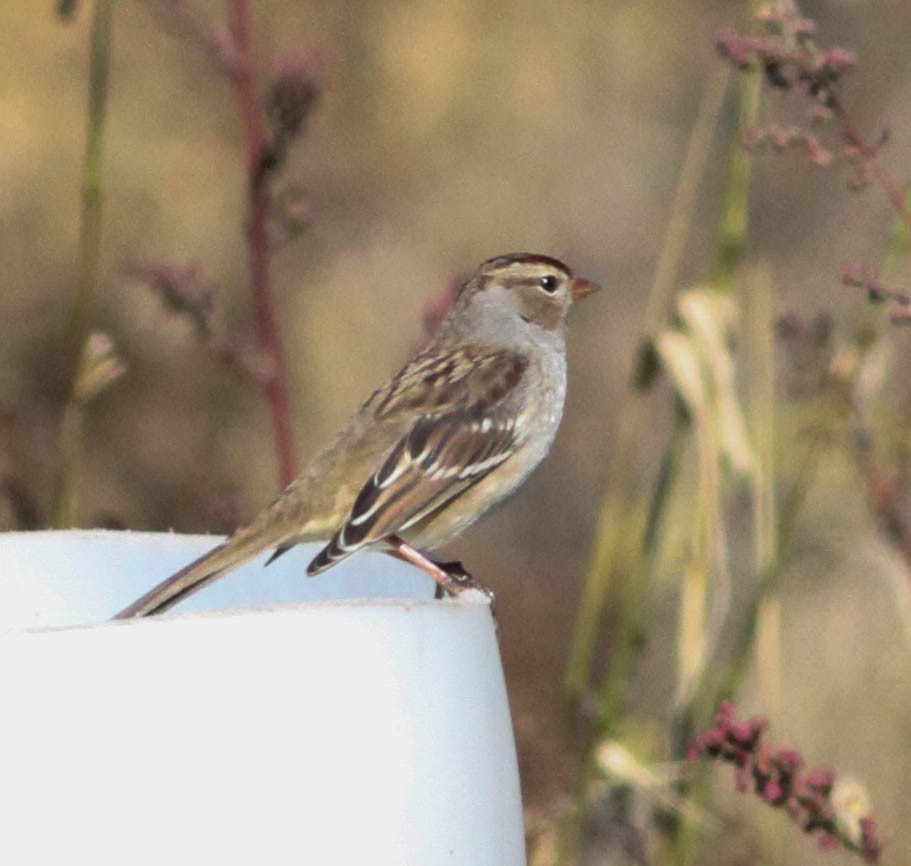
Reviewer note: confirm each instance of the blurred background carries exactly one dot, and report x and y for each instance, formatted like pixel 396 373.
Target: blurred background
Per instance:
pixel 446 132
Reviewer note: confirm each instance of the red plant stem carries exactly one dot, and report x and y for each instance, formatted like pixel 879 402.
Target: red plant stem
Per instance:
pixel 887 182
pixel 251 111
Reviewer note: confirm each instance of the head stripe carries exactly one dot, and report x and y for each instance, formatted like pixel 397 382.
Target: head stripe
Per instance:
pixel 525 259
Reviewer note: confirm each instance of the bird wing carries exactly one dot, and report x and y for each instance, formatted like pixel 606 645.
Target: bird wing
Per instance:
pixel 464 431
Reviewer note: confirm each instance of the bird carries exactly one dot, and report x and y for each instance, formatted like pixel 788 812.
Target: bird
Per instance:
pixel 450 435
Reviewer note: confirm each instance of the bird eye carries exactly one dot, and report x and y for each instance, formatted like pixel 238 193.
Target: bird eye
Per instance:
pixel 548 283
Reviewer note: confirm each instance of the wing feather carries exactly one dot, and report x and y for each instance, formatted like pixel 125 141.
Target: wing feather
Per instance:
pixel 467 430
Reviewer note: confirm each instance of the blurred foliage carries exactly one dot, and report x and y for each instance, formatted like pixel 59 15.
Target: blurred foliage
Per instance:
pixel 448 132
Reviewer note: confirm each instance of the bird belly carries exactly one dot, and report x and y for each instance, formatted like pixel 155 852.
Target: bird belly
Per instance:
pixel 454 517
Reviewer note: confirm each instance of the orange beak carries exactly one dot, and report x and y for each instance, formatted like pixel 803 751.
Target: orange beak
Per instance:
pixel 582 288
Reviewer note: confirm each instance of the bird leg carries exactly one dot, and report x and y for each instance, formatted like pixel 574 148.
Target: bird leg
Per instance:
pixel 451 577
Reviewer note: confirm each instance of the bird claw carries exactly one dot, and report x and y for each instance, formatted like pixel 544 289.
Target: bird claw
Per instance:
pixel 460 581
pixel 458 575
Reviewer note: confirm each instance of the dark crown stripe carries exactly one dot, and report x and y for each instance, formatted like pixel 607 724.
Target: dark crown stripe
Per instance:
pixel 526 259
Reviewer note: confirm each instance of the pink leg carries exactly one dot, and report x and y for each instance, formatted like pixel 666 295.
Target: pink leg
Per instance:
pixel 452 580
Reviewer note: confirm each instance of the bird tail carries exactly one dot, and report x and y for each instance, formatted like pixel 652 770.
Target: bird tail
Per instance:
pixel 193 577
pixel 335 551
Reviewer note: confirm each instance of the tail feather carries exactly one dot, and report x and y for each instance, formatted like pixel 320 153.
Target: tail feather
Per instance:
pixel 193 577
pixel 335 551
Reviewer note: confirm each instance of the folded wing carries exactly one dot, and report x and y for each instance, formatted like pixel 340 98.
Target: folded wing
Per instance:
pixel 467 432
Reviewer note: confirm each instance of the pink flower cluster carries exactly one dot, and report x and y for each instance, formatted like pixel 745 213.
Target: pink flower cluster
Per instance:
pixel 781 138
pixel 867 278
pixel 776 776
pixel 790 60
pixel 788 64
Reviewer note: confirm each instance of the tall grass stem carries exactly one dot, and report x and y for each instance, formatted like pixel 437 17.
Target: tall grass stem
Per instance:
pixel 70 446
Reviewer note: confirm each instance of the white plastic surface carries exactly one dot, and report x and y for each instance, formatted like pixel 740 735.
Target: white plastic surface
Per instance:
pixel 332 732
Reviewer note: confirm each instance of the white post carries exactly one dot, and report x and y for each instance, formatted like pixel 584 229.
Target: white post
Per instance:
pixel 348 729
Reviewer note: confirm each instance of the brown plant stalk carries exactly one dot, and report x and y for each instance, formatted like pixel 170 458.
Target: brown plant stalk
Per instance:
pixel 250 107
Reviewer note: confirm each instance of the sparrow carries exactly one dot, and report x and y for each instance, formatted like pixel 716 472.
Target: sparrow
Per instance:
pixel 450 435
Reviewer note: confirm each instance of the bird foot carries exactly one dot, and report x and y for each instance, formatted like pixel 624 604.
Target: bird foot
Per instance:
pixel 451 577
pixel 459 581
